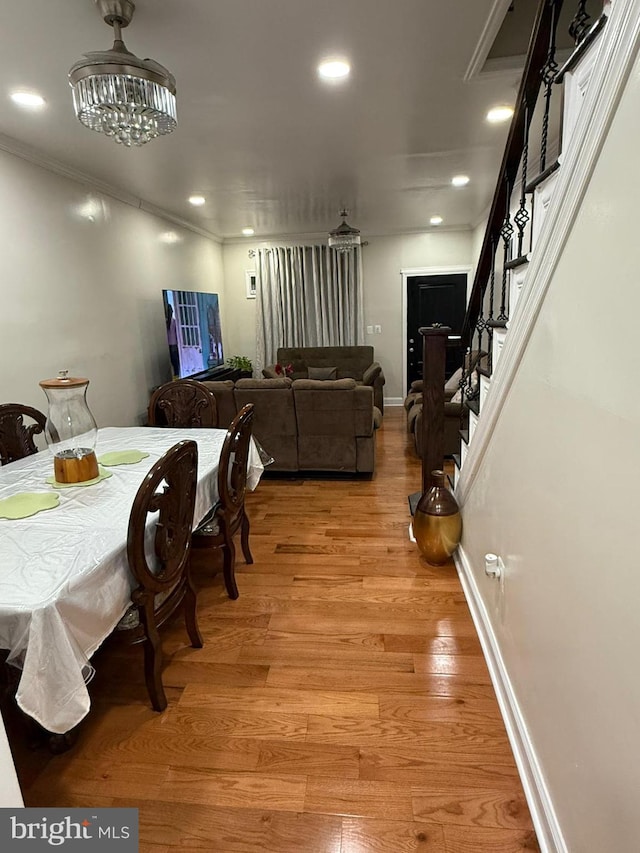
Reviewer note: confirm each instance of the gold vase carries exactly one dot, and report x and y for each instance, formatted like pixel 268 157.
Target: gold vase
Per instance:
pixel 437 525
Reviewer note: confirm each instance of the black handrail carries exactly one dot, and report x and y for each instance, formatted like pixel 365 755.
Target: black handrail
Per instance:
pixel 537 55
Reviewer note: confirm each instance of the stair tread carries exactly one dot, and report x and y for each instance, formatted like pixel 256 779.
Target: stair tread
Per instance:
pixel 497 324
pixel 464 435
pixel 582 48
pixel 473 405
pixel 517 262
pixel 542 176
pixel 458 460
pixel 484 371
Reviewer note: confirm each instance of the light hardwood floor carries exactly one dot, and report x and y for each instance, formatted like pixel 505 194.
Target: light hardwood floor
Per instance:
pixel 340 705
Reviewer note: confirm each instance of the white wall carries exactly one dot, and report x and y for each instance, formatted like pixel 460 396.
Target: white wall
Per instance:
pixel 557 497
pixel 87 295
pixel 383 259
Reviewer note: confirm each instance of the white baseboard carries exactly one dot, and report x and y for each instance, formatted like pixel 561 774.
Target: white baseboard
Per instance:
pixel 393 401
pixel 543 814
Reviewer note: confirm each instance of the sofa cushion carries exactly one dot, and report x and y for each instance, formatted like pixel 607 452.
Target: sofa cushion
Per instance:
pixel 351 361
pixel 281 382
pixel 323 373
pixel 412 398
pixel 324 385
pixel 225 401
pixel 274 422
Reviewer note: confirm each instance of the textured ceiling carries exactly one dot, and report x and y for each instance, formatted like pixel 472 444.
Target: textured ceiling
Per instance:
pixel 259 135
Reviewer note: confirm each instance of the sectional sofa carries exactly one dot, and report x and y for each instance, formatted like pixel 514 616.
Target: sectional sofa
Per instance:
pixel 306 424
pixel 322 363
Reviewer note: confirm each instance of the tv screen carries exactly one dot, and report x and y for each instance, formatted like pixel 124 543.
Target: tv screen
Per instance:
pixel 193 331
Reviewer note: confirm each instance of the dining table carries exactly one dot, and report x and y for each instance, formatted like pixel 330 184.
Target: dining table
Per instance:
pixel 65 581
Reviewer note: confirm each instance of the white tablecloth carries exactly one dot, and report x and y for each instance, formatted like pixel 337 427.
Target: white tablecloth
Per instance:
pixel 64 576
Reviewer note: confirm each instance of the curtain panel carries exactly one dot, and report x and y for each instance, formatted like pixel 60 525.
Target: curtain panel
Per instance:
pixel 307 296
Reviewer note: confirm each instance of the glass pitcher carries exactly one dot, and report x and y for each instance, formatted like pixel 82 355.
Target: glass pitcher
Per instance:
pixel 70 429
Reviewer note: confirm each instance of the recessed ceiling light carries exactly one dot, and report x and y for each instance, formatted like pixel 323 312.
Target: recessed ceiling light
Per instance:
pixel 436 220
pixel 197 200
pixel 460 180
pixel 248 232
pixel 496 115
pixel 27 99
pixel 334 69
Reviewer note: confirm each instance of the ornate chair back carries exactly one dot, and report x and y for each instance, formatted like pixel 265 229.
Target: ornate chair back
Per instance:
pixel 16 437
pixel 228 515
pixel 183 403
pixel 164 581
pixel 232 472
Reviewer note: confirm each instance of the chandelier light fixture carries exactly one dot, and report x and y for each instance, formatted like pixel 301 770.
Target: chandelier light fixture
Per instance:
pixel 344 238
pixel 131 100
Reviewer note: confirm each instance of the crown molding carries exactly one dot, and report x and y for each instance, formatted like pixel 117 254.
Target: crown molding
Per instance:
pixel 37 158
pixel 616 57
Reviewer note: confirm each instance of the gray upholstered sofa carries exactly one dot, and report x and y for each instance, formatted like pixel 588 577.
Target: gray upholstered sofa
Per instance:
pixel 322 363
pixel 306 425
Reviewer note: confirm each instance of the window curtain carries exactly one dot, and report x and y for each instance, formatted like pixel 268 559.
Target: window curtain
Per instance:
pixel 308 296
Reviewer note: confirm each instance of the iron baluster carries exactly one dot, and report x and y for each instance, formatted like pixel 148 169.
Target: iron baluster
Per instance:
pixel 473 391
pixel 481 325
pixel 579 26
pixel 463 384
pixel 522 216
pixel 548 74
pixel 506 232
pixel 492 291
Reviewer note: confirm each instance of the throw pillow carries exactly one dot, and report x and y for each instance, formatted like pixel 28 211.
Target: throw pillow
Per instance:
pixel 323 372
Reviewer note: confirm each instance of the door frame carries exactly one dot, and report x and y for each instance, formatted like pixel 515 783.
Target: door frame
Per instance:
pixel 404 276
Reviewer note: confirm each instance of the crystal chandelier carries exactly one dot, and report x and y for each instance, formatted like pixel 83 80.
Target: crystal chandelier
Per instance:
pixel 131 100
pixel 344 238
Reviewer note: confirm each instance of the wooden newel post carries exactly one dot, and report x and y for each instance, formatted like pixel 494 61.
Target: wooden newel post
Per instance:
pixel 434 345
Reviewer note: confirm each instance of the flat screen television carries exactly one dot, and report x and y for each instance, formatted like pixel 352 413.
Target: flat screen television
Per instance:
pixel 193 331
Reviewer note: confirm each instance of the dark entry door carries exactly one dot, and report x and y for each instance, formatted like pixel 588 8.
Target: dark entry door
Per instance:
pixel 434 299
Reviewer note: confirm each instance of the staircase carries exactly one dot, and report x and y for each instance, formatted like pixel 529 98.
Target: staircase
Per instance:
pixel 528 283
pixel 550 97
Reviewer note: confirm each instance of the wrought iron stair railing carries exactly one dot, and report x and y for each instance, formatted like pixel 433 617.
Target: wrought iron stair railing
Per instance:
pixel 506 244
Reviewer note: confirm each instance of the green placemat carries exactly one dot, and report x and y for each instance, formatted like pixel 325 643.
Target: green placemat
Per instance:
pixel 103 475
pixel 122 457
pixel 25 504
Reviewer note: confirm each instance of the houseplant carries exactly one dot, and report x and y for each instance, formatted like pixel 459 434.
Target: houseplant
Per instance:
pixel 241 363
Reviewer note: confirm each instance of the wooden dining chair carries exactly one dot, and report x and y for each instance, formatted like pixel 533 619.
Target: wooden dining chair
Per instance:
pixel 16 437
pixel 183 403
pixel 228 515
pixel 164 581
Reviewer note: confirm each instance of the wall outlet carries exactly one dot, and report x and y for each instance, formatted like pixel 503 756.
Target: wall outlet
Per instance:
pixel 378 330
pixel 369 330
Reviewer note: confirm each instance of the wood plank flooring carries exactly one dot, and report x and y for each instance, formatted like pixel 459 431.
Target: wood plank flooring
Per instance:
pixel 340 705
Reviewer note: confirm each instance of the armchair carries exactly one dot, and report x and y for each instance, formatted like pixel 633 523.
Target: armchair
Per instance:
pixel 454 417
